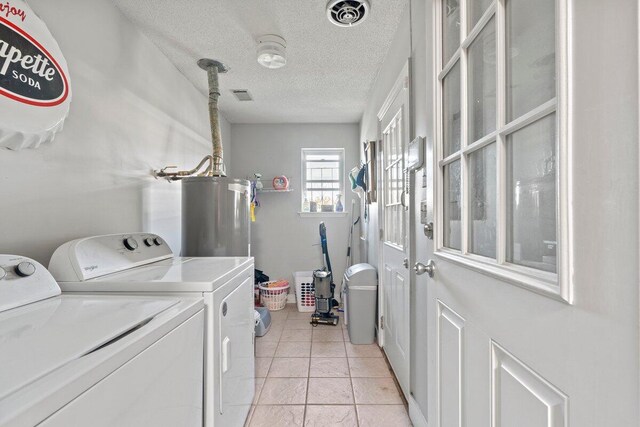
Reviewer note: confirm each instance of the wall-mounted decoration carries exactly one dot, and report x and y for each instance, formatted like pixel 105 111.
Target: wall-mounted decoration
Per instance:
pixel 371 161
pixel 280 183
pixel 34 80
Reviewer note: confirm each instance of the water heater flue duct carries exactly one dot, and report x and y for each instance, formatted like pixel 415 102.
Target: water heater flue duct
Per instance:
pixel 213 68
pixel 215 166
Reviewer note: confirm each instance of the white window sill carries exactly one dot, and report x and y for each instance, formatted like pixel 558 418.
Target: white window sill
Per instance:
pixel 542 282
pixel 322 214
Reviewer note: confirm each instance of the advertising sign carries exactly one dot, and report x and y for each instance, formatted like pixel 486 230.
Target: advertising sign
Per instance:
pixel 34 80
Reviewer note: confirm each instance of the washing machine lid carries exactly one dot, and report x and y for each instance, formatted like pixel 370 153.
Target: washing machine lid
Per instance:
pixel 42 337
pixel 180 274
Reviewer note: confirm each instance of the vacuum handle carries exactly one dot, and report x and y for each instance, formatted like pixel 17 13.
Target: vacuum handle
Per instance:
pixel 325 250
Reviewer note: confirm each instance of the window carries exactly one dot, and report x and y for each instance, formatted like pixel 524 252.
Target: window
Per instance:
pixel 394 176
pixel 322 180
pixel 501 178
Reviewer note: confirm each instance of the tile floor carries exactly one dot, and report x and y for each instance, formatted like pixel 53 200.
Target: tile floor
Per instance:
pixel 308 376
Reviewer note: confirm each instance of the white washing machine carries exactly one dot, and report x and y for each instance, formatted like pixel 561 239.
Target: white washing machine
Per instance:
pixel 142 263
pixel 70 360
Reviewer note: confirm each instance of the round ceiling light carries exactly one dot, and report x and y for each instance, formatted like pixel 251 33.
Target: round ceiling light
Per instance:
pixel 347 13
pixel 272 51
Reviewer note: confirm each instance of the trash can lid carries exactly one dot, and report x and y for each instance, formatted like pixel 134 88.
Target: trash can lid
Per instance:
pixel 361 274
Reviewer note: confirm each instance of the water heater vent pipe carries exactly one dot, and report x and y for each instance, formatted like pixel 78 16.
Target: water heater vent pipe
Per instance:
pixel 215 160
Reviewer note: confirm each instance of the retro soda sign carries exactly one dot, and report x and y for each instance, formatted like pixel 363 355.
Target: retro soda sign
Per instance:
pixel 34 83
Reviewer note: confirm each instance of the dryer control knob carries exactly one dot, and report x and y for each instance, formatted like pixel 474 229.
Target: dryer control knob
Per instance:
pixel 3 273
pixel 148 241
pixel 130 243
pixel 158 241
pixel 25 269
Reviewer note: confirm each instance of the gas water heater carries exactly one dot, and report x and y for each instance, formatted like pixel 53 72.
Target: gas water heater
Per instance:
pixel 215 216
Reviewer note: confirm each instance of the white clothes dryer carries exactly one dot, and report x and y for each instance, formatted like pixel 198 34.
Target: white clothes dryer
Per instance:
pixel 71 360
pixel 143 263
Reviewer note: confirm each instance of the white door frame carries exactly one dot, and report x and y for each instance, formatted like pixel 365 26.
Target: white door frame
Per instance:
pixel 402 82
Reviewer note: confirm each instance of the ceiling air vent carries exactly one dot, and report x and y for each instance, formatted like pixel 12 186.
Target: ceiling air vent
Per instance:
pixel 347 13
pixel 242 94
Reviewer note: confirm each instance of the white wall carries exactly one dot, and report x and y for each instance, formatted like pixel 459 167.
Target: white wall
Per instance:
pixel 132 111
pixel 282 241
pixel 225 132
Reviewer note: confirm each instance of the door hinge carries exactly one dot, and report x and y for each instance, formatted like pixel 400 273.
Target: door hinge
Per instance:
pixel 381 235
pixel 381 322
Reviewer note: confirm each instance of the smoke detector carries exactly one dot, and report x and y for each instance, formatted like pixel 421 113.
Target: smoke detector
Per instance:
pixel 347 13
pixel 272 51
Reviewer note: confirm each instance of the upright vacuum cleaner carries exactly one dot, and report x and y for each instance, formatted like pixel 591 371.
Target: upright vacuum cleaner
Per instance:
pixel 324 287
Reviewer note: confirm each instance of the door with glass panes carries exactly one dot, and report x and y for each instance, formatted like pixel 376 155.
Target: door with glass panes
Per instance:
pixel 528 331
pixel 394 274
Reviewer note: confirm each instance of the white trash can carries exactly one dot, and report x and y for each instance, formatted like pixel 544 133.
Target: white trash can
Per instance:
pixel 361 289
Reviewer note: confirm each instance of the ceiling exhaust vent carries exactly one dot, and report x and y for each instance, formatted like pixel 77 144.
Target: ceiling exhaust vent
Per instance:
pixel 347 13
pixel 242 94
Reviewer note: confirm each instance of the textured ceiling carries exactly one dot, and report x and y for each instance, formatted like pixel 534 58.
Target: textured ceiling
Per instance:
pixel 329 69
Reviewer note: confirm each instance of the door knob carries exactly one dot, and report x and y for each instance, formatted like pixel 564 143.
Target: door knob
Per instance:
pixel 420 268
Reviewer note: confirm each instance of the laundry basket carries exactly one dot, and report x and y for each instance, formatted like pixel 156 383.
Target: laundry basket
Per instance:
pixel 274 297
pixel 305 292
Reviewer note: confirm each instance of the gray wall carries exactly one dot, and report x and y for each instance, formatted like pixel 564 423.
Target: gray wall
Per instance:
pixel 282 241
pixel 132 111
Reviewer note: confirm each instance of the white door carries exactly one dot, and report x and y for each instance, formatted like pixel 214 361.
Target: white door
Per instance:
pixel 394 275
pixel 421 319
pixel 533 306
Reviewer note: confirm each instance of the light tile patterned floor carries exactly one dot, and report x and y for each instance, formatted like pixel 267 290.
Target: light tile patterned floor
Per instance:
pixel 309 376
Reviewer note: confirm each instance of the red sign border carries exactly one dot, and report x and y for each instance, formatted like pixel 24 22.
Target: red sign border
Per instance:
pixel 29 101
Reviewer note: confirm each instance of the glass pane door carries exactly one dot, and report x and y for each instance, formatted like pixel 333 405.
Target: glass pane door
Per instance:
pixel 394 180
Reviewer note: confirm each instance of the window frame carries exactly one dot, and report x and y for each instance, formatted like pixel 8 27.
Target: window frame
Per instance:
pixel 555 285
pixel 394 234
pixel 303 179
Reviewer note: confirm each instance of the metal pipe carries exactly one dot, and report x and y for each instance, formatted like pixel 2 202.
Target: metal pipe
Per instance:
pixel 178 175
pixel 216 139
pixel 216 161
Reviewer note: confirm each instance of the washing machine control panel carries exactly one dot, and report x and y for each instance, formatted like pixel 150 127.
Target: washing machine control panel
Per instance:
pixel 23 281
pixel 25 269
pixel 131 243
pixel 96 256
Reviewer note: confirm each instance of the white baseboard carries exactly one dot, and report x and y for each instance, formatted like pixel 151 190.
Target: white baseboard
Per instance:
pixel 415 414
pixel 291 299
